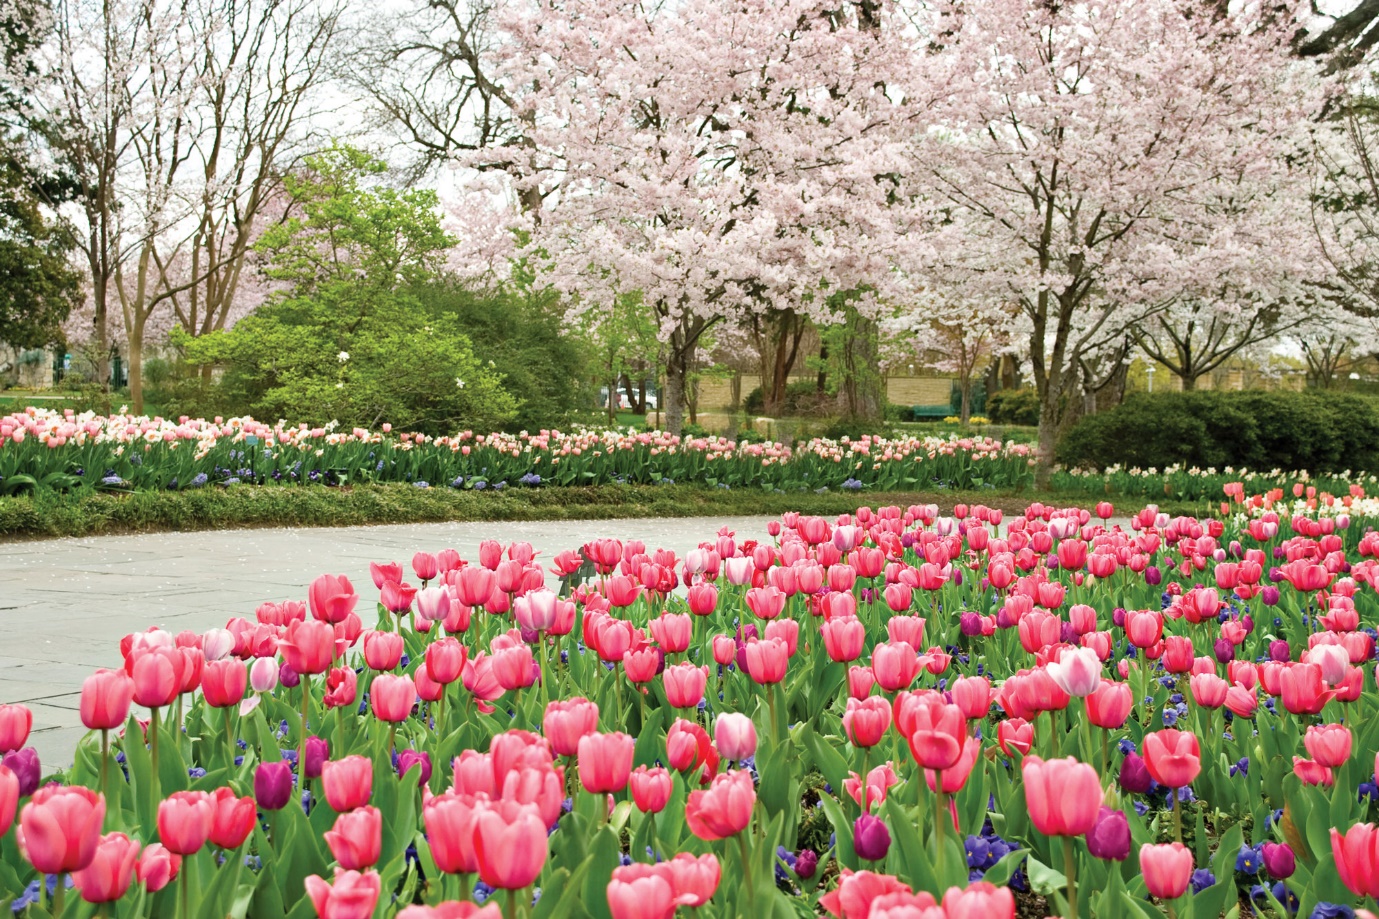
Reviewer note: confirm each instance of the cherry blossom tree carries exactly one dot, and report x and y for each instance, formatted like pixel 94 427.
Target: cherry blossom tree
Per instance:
pixel 1087 150
pixel 714 161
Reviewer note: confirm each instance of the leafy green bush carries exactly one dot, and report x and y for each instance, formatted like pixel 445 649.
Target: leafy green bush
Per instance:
pixel 1013 406
pixel 801 398
pixel 521 335
pixel 1320 432
pixel 349 340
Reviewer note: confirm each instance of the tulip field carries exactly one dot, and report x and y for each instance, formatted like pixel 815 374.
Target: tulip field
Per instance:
pixel 887 715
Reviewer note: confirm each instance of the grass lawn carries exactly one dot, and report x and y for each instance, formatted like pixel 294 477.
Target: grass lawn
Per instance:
pixel 48 514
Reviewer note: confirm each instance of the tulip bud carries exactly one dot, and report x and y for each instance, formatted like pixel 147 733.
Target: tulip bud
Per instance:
pixel 806 863
pixel 273 785
pixel 871 840
pixel 1110 838
pixel 317 752
pixel 1279 860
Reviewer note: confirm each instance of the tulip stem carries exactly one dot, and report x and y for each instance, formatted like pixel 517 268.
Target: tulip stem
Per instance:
pixel 940 813
pixel 1105 752
pixel 105 758
pixel 440 713
pixel 229 740
pixel 301 747
pixel 512 903
pixel 1177 814
pixel 1070 869
pixel 186 910
pixel 865 788
pixel 153 751
pixel 746 869
pixel 59 894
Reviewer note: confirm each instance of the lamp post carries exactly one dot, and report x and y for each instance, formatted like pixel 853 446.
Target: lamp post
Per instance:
pixel 1150 370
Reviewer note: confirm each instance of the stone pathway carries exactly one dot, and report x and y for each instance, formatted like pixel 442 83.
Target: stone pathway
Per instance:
pixel 66 603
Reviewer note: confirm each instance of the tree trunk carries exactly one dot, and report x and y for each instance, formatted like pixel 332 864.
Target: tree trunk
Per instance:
pixel 862 396
pixel 673 395
pixel 1189 381
pixel 136 367
pixel 821 383
pixel 965 389
pixel 100 289
pixel 694 401
pixel 612 400
pixel 1048 441
pixel 736 389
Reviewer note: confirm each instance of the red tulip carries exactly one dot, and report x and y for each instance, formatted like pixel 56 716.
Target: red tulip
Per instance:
pixel 224 682
pixel 1328 744
pixel 347 783
pixel 232 819
pixel 450 820
pixel 725 809
pixel 157 867
pixel 605 761
pixel 105 698
pixel 351 896
pixel 1064 796
pixel 15 724
pixel 62 827
pixel 9 798
pixel 1357 858
pixel 867 721
pixel 111 872
pixel 332 598
pixel 651 789
pixel 184 821
pixel 1174 758
pixel 357 838
pixel 939 732
pixel 392 697
pixel 1167 869
pixel 308 647
pixel 510 842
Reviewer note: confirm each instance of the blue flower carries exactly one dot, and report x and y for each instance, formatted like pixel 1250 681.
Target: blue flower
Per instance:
pixel 421 484
pixel 978 852
pixel 1202 878
pixel 1332 911
pixel 1249 860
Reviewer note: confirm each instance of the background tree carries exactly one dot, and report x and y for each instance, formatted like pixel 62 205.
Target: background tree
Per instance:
pixel 349 339
pixel 1083 186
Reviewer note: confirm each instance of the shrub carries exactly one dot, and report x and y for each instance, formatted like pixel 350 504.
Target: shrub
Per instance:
pixel 801 398
pixel 1319 432
pixel 1013 406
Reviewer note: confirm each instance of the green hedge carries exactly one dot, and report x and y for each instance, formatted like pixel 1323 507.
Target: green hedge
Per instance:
pixel 1320 432
pixel 1013 406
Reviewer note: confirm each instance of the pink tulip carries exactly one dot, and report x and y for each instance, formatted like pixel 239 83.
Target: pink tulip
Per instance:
pixel 308 647
pixel 111 871
pixel 232 819
pixel 1357 858
pixel 382 650
pixel 640 892
pixel 725 809
pixel 15 723
pixel 357 838
pixel 1174 758
pixel 62 827
pixel 393 697
pixel 735 736
pixel 184 821
pixel 651 789
pixel 105 699
pixel 157 867
pixel 332 598
pixel 510 843
pixel 1064 796
pixel 1166 869
pixel 351 896
pixel 347 783
pixel 684 684
pixel 1328 744
pixel 605 761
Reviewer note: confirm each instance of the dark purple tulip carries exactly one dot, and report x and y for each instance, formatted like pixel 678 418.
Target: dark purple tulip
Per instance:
pixel 871 840
pixel 1269 596
pixel 1118 617
pixel 970 623
pixel 1225 651
pixel 317 752
pixel 1005 619
pixel 1134 775
pixel 530 636
pixel 24 764
pixel 1279 860
pixel 273 785
pixel 957 576
pixel 806 863
pixel 744 634
pixel 1067 634
pixel 288 677
pixel 1236 550
pixel 1275 574
pixel 1248 622
pixel 1279 651
pixel 1153 576
pixel 1109 840
pixel 409 758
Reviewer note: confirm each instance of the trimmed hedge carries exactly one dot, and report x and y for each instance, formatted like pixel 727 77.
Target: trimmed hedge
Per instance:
pixel 1321 432
pixel 1013 406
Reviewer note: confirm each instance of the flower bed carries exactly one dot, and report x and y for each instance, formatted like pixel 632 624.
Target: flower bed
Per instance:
pixel 41 448
pixel 887 715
